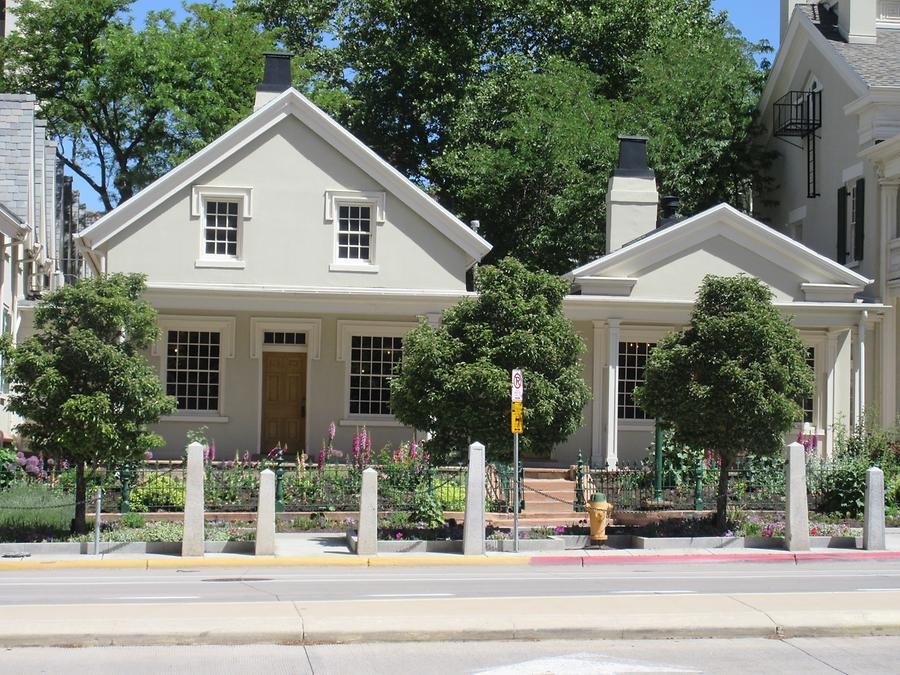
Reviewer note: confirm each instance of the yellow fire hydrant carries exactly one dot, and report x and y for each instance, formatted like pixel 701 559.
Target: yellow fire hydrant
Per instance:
pixel 599 509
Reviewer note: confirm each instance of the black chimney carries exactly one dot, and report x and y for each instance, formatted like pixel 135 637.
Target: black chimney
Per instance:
pixel 668 211
pixel 633 157
pixel 277 73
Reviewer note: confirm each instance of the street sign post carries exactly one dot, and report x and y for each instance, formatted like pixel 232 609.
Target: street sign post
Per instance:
pixel 517 422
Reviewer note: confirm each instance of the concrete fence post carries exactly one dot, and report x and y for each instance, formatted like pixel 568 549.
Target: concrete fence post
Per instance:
pixel 796 530
pixel 265 514
pixel 192 543
pixel 473 524
pixel 367 535
pixel 873 525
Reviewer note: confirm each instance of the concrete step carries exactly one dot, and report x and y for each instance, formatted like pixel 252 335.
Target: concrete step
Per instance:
pixel 550 484
pixel 545 472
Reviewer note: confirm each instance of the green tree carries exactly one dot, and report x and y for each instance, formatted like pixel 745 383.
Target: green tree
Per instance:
pixel 82 386
pixel 732 381
pixel 455 378
pixel 126 105
pixel 509 111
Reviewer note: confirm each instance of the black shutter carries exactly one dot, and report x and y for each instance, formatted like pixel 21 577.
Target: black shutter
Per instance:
pixel 860 229
pixel 842 226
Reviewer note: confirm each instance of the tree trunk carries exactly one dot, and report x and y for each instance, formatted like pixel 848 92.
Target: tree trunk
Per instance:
pixel 79 524
pixel 722 497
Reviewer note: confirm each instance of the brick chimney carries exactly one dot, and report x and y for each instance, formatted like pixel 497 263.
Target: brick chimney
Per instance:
pixel 632 198
pixel 276 78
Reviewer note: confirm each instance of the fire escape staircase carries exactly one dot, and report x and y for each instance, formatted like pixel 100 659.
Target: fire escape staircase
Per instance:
pixel 798 114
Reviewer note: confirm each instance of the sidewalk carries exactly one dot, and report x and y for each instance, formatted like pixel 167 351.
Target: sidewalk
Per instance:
pixel 610 617
pixel 328 550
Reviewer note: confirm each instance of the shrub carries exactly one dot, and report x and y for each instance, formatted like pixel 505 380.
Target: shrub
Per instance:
pixel 133 520
pixel 451 496
pixel 840 486
pixel 158 492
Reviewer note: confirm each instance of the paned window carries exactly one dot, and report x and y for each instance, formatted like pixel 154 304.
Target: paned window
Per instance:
pixel 808 403
pixel 632 360
pixel 278 337
pixel 222 229
pixel 192 369
pixel 354 232
pixel 374 360
pixel 889 10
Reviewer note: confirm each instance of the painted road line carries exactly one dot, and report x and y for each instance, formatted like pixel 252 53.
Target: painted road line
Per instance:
pixel 879 590
pixel 156 597
pixel 649 592
pixel 411 595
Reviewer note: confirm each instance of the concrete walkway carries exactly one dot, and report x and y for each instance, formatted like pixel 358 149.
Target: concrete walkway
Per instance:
pixel 431 619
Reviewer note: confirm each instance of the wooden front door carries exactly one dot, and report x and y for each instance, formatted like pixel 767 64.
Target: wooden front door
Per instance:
pixel 284 401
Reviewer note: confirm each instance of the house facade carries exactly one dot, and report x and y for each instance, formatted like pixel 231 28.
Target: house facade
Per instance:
pixel 287 261
pixel 831 109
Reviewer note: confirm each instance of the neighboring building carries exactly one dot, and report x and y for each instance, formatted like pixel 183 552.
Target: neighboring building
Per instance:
pixel 288 261
pixel 832 111
pixel 28 217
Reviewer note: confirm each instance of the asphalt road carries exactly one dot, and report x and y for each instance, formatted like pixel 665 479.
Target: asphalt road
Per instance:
pixel 285 584
pixel 872 656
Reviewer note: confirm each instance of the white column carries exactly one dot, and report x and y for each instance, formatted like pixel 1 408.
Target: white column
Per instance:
pixel 612 394
pixel 859 369
pixel 473 524
pixel 888 363
pixel 192 543
pixel 597 363
pixel 265 514
pixel 873 523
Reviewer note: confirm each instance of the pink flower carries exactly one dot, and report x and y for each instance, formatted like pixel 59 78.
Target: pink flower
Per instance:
pixel 368 445
pixel 246 456
pixel 148 455
pixel 331 431
pixel 322 459
pixel 399 535
pixel 51 461
pixel 356 453
pixel 212 450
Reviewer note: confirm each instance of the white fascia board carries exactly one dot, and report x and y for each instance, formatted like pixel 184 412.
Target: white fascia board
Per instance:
pixel 11 225
pixel 291 102
pixel 775 241
pixel 873 96
pixel 800 23
pixel 309 291
pixel 882 152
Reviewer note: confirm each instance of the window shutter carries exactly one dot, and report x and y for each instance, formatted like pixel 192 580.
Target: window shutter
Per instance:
pixel 842 225
pixel 860 229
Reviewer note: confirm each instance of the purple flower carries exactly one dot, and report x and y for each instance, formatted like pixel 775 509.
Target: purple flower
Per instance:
pixel 728 533
pixel 246 456
pixel 20 454
pixel 331 431
pixel 148 455
pixel 322 459
pixel 33 460
pixel 399 535
pixel 10 467
pixel 20 461
pixel 356 453
pixel 32 469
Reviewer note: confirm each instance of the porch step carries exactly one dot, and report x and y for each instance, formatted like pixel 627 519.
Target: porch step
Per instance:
pixel 544 472
pixel 549 495
pixel 539 519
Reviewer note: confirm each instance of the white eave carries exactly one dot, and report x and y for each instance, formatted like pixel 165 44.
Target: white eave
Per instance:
pixel 11 225
pixel 289 103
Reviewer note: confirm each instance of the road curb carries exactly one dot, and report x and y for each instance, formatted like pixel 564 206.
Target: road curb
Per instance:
pixel 411 560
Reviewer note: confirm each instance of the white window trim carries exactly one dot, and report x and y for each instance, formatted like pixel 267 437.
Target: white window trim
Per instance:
pixel 345 331
pixel 224 325
pixel 201 193
pixel 312 328
pixel 882 21
pixel 200 196
pixel 375 200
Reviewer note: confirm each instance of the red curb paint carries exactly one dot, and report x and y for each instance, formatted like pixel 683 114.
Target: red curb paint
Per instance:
pixel 711 558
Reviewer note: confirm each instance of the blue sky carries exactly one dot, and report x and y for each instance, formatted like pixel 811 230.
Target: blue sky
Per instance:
pixel 756 19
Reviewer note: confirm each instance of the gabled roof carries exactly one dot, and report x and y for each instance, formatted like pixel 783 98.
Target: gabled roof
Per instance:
pixel 800 27
pixel 877 64
pixel 290 103
pixel 726 221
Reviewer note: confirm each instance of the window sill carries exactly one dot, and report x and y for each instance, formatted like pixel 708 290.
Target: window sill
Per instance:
pixel 372 422
pixel 637 425
pixel 225 263
pixel 350 267
pixel 852 264
pixel 211 419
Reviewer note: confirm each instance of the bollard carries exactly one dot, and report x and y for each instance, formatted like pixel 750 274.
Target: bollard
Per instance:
pixel 367 534
pixel 873 516
pixel 265 514
pixel 192 543
pixel 97 522
pixel 796 517
pixel 473 523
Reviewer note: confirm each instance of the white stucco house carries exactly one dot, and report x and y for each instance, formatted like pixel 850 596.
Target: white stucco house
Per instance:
pixel 288 261
pixel 831 108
